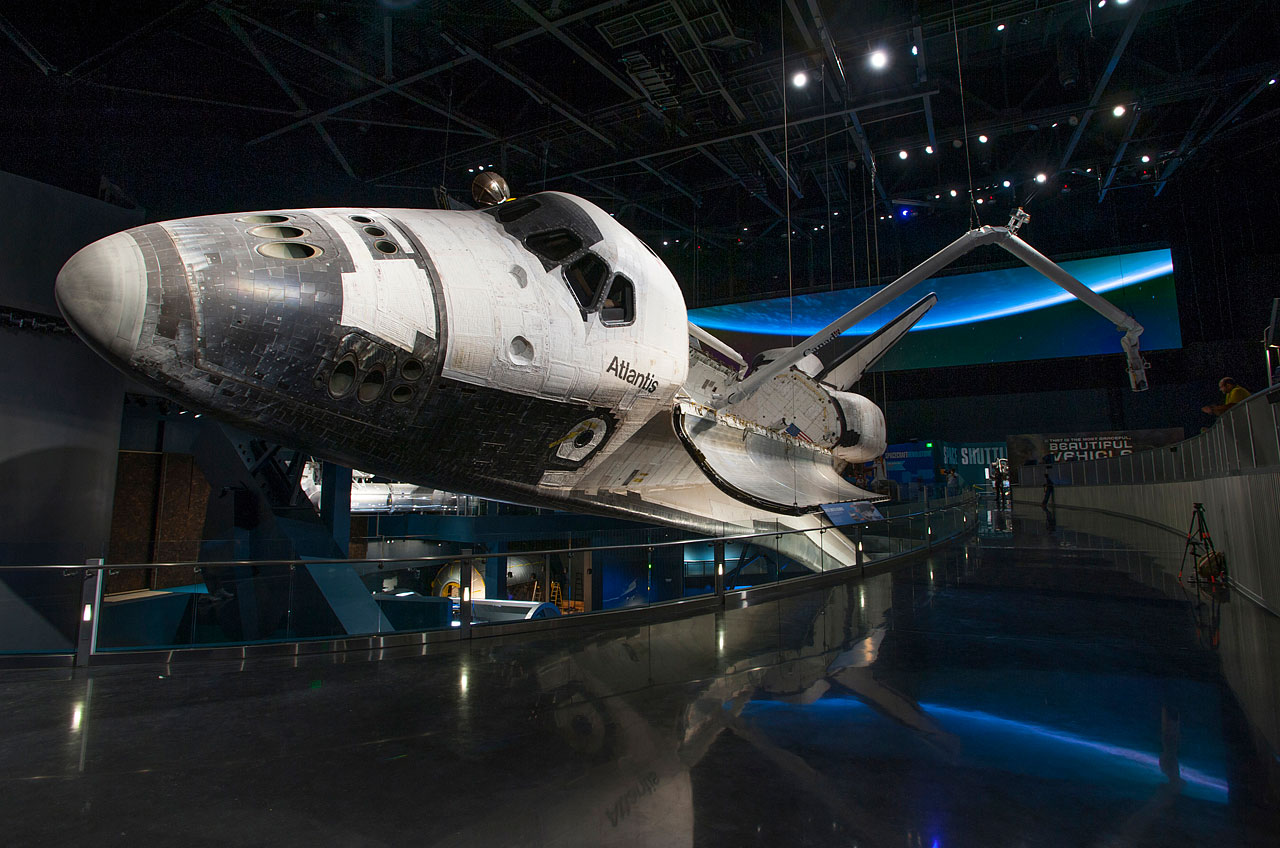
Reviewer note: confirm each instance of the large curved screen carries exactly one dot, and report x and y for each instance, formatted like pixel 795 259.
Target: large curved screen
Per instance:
pixel 1003 315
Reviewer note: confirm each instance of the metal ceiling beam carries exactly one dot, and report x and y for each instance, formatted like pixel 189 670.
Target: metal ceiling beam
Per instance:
pixel 274 73
pixel 387 49
pixel 763 198
pixel 1227 117
pixel 922 76
pixel 179 11
pixel 1115 161
pixel 559 22
pixel 787 179
pixel 397 87
pixel 1131 26
pixel 577 48
pixel 888 101
pixel 546 98
pixel 28 49
pixel 1185 144
pixel 855 128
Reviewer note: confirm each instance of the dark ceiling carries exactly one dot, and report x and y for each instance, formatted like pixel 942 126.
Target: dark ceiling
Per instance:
pixel 676 115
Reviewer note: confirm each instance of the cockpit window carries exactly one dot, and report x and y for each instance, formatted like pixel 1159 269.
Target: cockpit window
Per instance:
pixel 513 209
pixel 586 277
pixel 554 245
pixel 619 307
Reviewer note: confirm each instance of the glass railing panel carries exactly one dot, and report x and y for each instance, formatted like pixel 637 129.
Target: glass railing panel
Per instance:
pixel 1264 433
pixel 1242 443
pixel 40 610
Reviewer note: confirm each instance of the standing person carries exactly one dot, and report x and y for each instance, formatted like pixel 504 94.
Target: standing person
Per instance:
pixel 953 483
pixel 1232 393
pixel 1048 490
pixel 997 480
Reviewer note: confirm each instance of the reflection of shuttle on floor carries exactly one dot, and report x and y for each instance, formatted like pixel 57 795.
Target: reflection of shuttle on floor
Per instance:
pixel 534 351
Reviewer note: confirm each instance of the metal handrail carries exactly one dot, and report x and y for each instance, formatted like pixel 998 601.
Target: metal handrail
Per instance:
pixel 444 558
pixel 1212 452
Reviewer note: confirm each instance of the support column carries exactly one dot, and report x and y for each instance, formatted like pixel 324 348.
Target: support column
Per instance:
pixel 495 573
pixel 719 557
pixel 335 504
pixel 90 608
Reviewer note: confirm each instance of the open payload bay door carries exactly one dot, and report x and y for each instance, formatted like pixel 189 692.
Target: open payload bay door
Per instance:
pixel 762 468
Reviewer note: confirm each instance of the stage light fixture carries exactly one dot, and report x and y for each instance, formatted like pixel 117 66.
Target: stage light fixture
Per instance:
pixel 1006 184
pixel 1000 28
pixel 879 59
pixel 1118 111
pixel 915 51
pixel 979 201
pixel 800 80
pixel 1145 158
pixel 902 154
pixel 928 148
pixel 982 139
pixel 1040 178
pixel 954 192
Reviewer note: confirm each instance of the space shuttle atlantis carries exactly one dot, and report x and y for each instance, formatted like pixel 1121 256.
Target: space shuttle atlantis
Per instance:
pixel 534 351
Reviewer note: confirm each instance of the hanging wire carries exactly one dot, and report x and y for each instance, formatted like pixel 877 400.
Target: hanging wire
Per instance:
pixel 786 163
pixel 448 124
pixel 786 190
pixel 964 120
pixel 826 180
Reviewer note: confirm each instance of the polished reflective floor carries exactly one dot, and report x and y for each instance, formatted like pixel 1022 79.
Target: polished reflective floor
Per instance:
pixel 1046 683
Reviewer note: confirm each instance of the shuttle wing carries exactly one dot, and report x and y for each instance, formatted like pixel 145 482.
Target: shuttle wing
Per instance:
pixel 846 369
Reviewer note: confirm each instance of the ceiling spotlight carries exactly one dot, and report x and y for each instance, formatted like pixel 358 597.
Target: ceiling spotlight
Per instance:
pixel 1000 28
pixel 937 197
pixel 1118 111
pixel 1121 2
pixel 1040 178
pixel 928 148
pixel 879 59
pixel 1271 81
pixel 800 80
pixel 836 213
pixel 915 51
pixel 1101 3
pixel 1006 184
pixel 902 154
pixel 482 167
pixel 1145 158
pixel 664 244
pixel 953 192
pixel 905 212
pixel 979 201
pixel 982 139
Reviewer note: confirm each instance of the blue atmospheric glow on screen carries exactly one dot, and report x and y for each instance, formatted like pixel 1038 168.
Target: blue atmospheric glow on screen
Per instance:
pixel 962 298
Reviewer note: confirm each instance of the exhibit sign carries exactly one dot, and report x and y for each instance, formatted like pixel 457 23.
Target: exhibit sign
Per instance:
pixel 854 512
pixel 972 459
pixel 1039 448
pixel 910 462
pixel 999 315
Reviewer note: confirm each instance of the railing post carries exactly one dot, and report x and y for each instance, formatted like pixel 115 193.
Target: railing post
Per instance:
pixel 718 548
pixel 90 606
pixel 464 608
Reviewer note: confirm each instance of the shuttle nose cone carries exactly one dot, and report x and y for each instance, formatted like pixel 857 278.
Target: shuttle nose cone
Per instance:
pixel 102 291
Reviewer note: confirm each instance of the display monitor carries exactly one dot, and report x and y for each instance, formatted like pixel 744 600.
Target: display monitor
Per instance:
pixel 1003 315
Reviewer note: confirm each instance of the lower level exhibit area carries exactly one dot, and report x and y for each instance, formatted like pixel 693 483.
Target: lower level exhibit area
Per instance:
pixel 1043 680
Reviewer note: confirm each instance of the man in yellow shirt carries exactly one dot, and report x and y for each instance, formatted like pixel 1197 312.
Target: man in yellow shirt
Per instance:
pixel 1233 394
